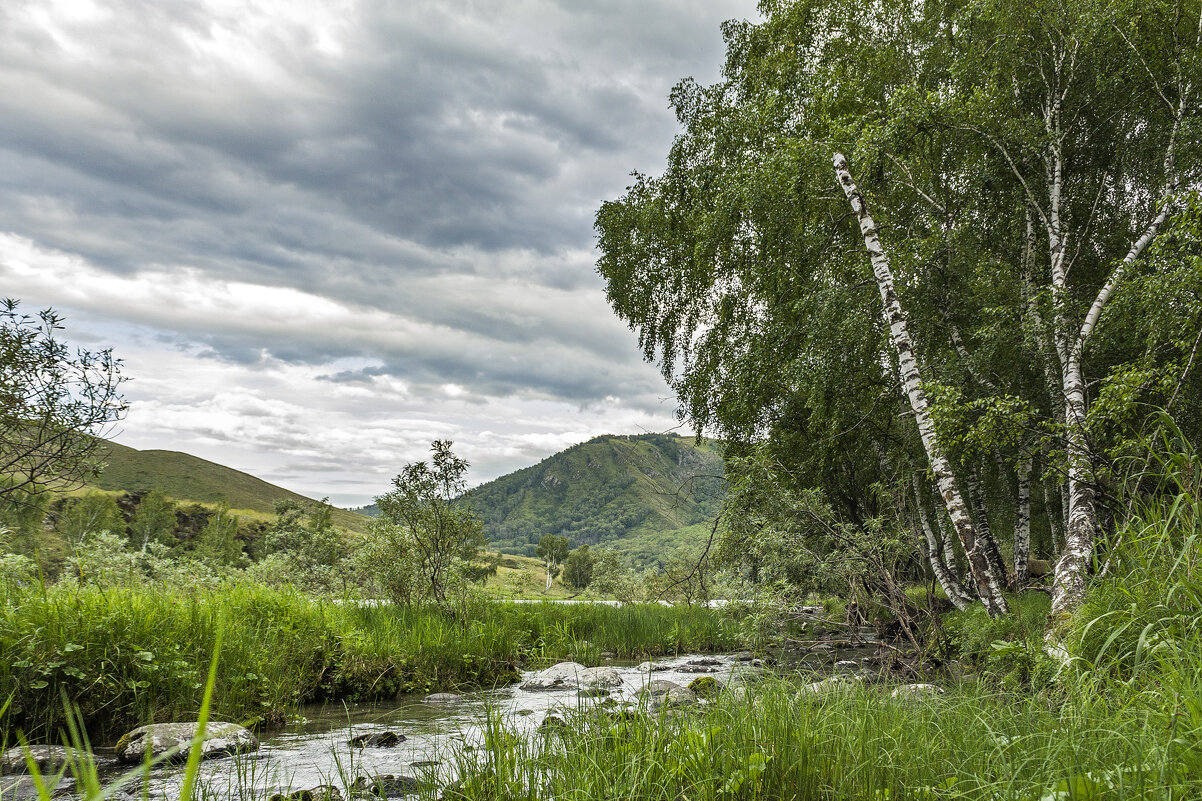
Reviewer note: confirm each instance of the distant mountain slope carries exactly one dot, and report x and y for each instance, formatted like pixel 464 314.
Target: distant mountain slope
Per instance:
pixel 189 478
pixel 639 493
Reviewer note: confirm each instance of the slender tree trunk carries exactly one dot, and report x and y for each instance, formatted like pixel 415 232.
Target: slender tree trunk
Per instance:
pixel 989 544
pixel 1022 521
pixel 951 586
pixel 903 345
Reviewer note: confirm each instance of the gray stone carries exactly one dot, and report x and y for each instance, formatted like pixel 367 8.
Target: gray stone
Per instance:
pixel 696 669
pixel 386 785
pixel 653 667
pixel 442 698
pixel 704 661
pixel 850 665
pixel 563 676
pixel 221 739
pixel 667 694
pixel 48 758
pixel 322 792
pixel 22 788
pixel 598 677
pixel 377 739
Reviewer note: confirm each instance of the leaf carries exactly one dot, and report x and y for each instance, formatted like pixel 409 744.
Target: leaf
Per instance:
pixel 39 685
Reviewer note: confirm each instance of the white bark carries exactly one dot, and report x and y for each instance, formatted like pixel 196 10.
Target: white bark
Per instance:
pixel 1022 521
pixel 903 345
pixel 950 584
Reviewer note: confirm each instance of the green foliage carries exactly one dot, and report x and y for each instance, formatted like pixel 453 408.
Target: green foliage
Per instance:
pixel 856 743
pixel 54 403
pixel 153 521
pixel 423 540
pixel 90 514
pixel 218 542
pixel 578 569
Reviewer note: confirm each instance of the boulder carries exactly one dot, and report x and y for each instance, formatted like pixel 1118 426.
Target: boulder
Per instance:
pixel 48 758
pixel 667 694
pixel 653 667
pixel 704 661
pixel 593 692
pixel 442 698
pixel 221 739
pixel 552 723
pixel 705 686
pixel 598 677
pixel 917 692
pixel 849 665
pixel 563 676
pixel 386 785
pixel 696 669
pixel 376 739
pixel 322 792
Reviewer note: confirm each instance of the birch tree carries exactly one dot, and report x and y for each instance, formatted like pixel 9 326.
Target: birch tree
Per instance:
pixel 1020 159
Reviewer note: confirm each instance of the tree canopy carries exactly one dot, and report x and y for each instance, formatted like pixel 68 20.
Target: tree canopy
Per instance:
pixel 1019 159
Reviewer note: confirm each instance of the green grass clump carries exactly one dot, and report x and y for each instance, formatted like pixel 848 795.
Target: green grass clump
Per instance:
pixel 856 743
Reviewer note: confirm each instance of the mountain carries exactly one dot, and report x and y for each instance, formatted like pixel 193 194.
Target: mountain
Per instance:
pixel 641 494
pixel 190 478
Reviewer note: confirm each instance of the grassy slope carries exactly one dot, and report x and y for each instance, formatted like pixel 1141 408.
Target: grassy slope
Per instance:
pixel 190 478
pixel 641 494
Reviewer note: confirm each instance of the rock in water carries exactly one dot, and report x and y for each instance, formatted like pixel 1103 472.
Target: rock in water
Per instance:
pixel 442 698
pixel 666 694
pixel 598 678
pixel 563 676
pixel 323 792
pixel 48 758
pixel 386 785
pixel 221 739
pixel 705 686
pixel 23 788
pixel 377 739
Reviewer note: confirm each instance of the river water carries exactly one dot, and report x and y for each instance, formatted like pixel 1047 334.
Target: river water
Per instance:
pixel 313 750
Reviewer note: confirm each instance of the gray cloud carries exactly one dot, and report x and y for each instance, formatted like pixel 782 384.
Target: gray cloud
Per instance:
pixel 420 176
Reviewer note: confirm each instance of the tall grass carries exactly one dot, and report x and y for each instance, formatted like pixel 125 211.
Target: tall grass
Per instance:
pixel 131 655
pixel 852 744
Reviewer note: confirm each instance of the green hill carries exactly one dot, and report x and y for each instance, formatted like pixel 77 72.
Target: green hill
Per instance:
pixel 640 494
pixel 190 478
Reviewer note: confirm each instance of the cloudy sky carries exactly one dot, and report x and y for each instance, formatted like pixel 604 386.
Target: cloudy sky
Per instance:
pixel 322 234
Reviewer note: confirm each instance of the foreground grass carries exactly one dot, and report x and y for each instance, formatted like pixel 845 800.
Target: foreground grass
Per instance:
pixel 130 655
pixel 854 743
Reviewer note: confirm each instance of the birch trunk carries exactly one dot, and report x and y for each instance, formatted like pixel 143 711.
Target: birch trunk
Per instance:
pixel 903 345
pixel 1022 522
pixel 951 586
pixel 989 544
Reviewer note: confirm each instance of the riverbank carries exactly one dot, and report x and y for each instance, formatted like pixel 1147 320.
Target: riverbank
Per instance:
pixel 130 655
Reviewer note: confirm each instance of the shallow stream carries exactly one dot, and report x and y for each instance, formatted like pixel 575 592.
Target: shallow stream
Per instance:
pixel 313 750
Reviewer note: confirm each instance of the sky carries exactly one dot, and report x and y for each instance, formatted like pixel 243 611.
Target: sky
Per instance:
pixel 321 235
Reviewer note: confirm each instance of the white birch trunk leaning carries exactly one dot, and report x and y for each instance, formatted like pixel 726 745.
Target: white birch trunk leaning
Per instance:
pixel 903 345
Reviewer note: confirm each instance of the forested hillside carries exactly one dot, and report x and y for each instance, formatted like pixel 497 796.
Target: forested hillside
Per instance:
pixel 638 493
